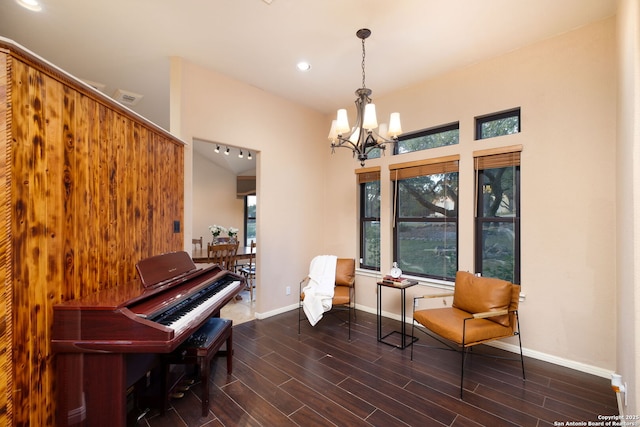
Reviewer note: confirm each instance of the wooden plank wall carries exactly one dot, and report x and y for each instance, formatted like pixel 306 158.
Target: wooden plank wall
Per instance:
pixel 6 284
pixel 93 189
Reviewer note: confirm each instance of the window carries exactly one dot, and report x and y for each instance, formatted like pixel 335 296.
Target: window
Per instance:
pixel 498 124
pixel 497 243
pixel 426 217
pixel 369 180
pixel 249 219
pixel 430 138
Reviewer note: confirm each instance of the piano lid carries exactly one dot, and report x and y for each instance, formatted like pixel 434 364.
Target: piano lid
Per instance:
pixel 160 269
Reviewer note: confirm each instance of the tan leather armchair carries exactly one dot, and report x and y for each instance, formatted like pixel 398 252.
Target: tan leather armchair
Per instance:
pixel 344 297
pixel 484 309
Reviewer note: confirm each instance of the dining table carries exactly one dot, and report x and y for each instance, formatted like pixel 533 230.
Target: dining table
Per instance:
pixel 199 255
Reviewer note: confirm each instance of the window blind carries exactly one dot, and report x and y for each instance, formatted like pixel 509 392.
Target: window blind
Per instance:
pixel 497 157
pixel 368 174
pixel 424 167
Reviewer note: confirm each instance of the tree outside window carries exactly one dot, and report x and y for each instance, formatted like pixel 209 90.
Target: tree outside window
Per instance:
pixel 370 223
pixel 498 219
pixel 426 226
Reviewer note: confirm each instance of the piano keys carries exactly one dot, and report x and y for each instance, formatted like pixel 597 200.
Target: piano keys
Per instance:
pixel 107 341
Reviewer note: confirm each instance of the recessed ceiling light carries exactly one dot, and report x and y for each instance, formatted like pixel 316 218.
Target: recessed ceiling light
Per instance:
pixel 303 66
pixel 33 5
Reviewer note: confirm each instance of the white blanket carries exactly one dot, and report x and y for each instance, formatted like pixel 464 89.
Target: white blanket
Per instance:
pixel 318 294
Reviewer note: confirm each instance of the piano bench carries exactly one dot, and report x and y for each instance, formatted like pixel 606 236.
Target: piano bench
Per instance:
pixel 200 349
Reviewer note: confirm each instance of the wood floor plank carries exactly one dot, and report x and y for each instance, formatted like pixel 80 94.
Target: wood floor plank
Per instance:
pixel 273 394
pixel 256 406
pixel 408 410
pixel 328 389
pixel 306 417
pixel 322 405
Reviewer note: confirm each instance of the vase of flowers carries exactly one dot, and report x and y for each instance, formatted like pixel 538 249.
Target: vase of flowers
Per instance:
pixel 232 232
pixel 217 231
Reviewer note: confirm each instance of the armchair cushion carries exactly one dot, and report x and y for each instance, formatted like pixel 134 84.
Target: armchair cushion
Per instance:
pixel 480 294
pixel 345 271
pixel 448 321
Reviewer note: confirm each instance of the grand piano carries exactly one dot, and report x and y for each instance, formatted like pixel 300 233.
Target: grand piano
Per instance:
pixel 107 342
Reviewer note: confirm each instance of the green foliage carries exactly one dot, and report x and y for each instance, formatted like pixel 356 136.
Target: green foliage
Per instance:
pixel 433 140
pixel 499 127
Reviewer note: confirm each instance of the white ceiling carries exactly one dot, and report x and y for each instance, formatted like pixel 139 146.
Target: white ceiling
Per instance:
pixel 126 44
pixel 239 166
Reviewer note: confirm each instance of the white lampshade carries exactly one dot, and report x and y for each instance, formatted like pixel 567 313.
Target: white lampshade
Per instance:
pixel 333 134
pixel 395 128
pixel 370 120
pixel 342 122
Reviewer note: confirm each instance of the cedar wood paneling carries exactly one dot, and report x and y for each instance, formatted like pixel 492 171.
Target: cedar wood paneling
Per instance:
pixel 89 189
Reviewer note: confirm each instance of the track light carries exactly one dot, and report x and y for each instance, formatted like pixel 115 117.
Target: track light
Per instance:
pixel 240 155
pixel 217 150
pixel 227 152
pixel 249 156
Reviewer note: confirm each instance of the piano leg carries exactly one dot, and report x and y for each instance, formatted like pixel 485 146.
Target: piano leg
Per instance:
pixel 71 404
pixel 92 388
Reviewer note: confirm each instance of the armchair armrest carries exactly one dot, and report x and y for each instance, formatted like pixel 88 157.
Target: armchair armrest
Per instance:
pixel 486 314
pixel 300 286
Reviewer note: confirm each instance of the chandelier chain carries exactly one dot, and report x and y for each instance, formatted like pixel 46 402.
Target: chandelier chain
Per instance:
pixel 363 56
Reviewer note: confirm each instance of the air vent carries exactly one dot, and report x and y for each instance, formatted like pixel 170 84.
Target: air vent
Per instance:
pixel 126 97
pixel 96 86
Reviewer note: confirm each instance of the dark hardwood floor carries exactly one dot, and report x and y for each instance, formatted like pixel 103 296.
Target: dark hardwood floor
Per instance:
pixel 322 379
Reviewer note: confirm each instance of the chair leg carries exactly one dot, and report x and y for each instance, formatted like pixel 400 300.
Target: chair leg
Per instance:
pixel 230 353
pixel 204 383
pixel 349 314
pixel 413 326
pixel 520 344
pixel 464 353
pixel 299 314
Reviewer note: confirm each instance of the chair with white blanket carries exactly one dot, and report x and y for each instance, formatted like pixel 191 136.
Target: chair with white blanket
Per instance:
pixel 330 286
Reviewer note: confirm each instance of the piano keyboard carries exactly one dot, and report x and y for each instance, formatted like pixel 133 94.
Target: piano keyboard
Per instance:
pixel 180 316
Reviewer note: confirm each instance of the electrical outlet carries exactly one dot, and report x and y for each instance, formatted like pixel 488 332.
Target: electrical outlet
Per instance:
pixel 288 290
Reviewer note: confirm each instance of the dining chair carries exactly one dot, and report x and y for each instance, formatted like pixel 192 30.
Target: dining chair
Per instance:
pixel 197 242
pixel 249 270
pixel 223 254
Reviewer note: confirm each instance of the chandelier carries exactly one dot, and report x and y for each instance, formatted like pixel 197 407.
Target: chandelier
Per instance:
pixel 363 137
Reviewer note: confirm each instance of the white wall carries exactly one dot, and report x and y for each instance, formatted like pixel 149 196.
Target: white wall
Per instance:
pixel 214 199
pixel 628 201
pixel 566 87
pixel 289 142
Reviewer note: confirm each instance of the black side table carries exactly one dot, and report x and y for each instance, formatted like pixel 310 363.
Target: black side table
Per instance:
pixel 403 308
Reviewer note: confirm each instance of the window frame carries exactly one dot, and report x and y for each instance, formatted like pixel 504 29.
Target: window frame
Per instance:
pixel 365 176
pixel 247 218
pixel 502 155
pixel 480 120
pixel 426 132
pixel 448 164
